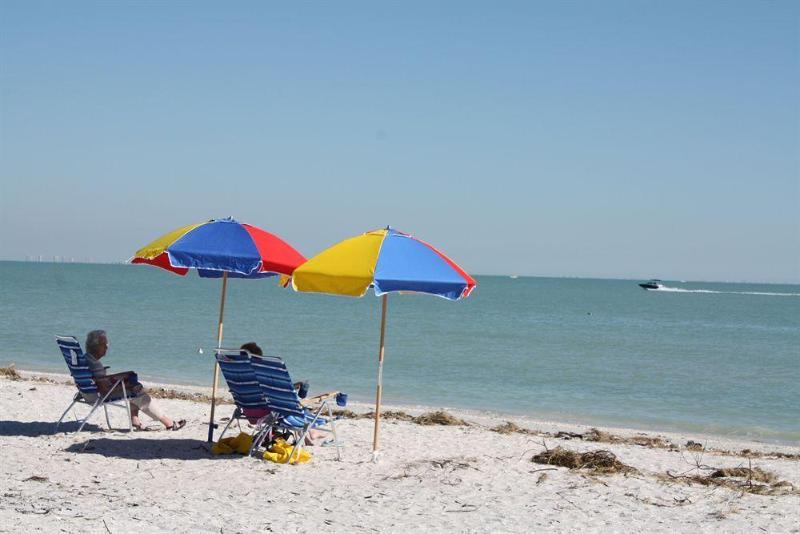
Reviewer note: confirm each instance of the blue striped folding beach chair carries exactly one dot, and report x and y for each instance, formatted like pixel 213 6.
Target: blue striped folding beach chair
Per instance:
pixel 243 385
pixel 282 399
pixel 87 389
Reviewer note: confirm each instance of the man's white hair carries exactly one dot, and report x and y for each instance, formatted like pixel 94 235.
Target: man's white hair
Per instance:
pixel 93 340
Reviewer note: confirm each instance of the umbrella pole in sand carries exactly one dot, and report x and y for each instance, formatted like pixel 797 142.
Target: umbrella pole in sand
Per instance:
pixel 384 305
pixel 216 365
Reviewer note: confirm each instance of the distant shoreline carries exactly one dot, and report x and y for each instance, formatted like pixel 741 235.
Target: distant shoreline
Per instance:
pixel 681 280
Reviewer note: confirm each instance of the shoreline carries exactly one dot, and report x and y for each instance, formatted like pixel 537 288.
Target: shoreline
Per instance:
pixel 489 419
pixel 203 394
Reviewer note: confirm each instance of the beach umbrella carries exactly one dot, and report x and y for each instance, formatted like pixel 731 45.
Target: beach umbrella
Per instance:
pixel 388 261
pixel 221 248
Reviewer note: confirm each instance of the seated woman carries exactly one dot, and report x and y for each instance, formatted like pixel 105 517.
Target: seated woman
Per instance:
pixel 96 348
pixel 313 437
pixel 301 387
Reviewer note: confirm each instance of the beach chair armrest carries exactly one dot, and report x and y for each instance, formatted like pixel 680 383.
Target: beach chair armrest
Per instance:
pixel 316 399
pixel 103 386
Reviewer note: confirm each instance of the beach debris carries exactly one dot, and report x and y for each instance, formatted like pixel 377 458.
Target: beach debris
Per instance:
pixel 507 428
pixel 36 478
pixel 745 479
pixel 165 393
pixel 454 463
pixel 600 461
pixel 758 454
pixel 510 427
pixel 396 415
pixel 444 469
pixel 463 507
pixel 439 418
pixel 563 434
pixel 10 372
pixel 600 436
pixel 694 446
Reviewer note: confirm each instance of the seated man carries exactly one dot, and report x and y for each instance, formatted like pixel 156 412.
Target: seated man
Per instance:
pixel 96 348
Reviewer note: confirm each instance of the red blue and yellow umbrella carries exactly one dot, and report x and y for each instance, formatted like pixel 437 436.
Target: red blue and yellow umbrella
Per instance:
pixel 221 248
pixel 388 261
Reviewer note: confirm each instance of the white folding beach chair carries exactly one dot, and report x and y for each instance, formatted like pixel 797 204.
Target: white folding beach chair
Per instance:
pixel 87 389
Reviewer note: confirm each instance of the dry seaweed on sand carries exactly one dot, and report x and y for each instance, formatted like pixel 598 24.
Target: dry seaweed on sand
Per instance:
pixel 10 372
pixel 507 428
pixel 439 418
pixel 749 480
pixel 694 446
pixel 758 454
pixel 431 418
pixel 600 436
pixel 600 461
pixel 346 414
pixel 164 393
pixel 387 415
pixel 510 427
pixel 396 415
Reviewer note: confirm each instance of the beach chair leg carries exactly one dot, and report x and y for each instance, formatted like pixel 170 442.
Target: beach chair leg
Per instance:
pixel 333 431
pixel 91 412
pixel 108 421
pixel 265 433
pixel 63 415
pixel 127 407
pixel 234 416
pixel 257 440
pixel 100 401
pixel 298 445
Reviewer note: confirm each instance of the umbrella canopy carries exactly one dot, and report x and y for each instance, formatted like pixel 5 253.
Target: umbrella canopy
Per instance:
pixel 221 248
pixel 388 261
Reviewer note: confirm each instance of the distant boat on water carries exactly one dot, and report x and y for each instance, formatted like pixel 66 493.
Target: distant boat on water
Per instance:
pixel 513 276
pixel 652 284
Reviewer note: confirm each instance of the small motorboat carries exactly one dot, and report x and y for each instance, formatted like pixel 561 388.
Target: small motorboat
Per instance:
pixel 652 284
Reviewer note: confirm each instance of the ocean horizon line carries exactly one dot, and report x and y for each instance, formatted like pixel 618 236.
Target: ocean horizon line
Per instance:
pixel 681 280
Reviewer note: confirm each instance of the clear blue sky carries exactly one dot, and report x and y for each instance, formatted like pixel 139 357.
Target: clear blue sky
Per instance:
pixel 609 139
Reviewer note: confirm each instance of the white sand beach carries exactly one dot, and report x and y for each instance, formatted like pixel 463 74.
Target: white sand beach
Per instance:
pixel 429 478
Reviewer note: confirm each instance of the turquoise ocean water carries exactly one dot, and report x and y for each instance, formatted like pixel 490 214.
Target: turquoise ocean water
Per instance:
pixel 709 357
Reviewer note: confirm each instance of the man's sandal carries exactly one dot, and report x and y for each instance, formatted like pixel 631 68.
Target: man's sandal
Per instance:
pixel 177 425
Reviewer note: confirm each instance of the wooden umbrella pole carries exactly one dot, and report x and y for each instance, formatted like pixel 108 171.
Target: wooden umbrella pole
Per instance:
pixel 384 305
pixel 216 365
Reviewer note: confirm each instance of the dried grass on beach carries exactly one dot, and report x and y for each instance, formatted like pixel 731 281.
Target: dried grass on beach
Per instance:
pixel 165 393
pixel 438 417
pixel 601 462
pixel 746 479
pixel 10 372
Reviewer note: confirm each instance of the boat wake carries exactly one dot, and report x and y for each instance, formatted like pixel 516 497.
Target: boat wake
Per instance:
pixel 682 290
